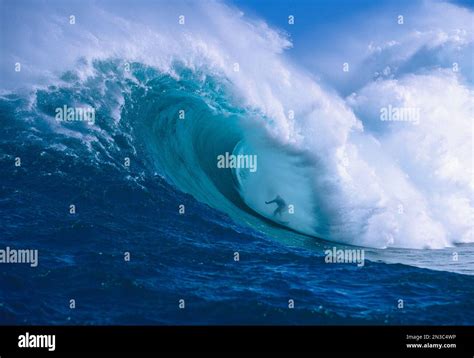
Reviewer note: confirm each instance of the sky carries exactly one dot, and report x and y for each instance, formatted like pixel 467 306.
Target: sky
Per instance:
pixel 327 34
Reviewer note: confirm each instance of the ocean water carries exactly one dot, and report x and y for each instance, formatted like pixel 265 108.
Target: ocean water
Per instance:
pixel 184 255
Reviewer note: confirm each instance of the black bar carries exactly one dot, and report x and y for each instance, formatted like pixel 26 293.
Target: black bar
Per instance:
pixel 82 339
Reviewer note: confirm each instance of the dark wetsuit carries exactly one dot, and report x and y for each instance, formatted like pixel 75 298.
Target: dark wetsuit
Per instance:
pixel 281 205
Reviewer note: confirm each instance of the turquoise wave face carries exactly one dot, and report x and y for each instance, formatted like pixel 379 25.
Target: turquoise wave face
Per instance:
pixel 186 124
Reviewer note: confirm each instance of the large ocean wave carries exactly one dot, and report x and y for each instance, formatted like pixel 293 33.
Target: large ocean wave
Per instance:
pixel 351 178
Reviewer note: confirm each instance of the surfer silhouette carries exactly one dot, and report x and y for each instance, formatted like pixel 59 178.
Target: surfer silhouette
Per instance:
pixel 281 205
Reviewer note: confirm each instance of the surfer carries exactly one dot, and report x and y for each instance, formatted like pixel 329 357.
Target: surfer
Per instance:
pixel 281 205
